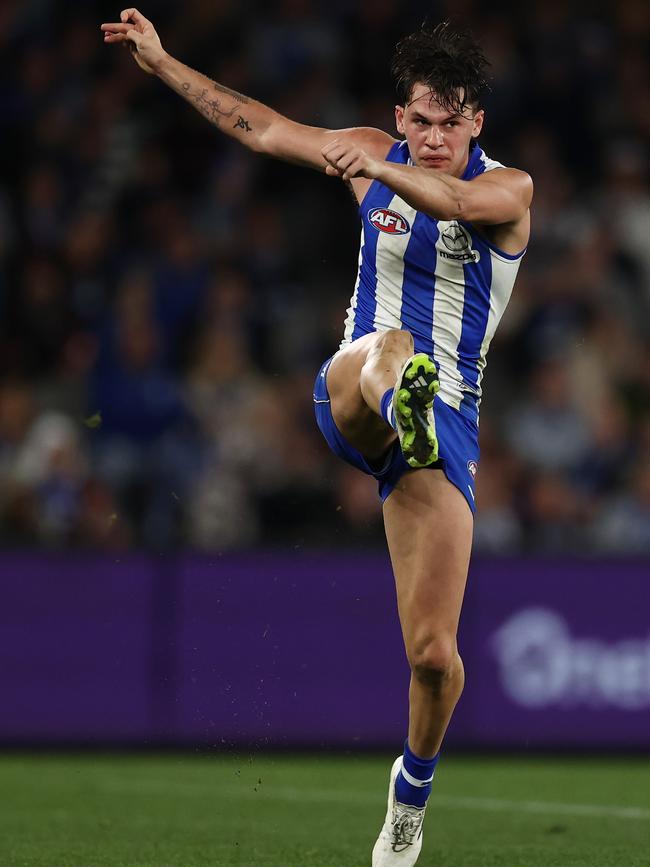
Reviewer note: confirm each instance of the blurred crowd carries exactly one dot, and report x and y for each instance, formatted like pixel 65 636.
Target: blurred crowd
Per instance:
pixel 167 297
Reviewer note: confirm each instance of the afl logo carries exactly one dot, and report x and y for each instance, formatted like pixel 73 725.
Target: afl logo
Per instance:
pixel 456 239
pixel 388 221
pixel 472 466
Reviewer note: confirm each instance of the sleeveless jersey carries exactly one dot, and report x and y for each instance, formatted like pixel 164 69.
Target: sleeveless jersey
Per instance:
pixel 438 279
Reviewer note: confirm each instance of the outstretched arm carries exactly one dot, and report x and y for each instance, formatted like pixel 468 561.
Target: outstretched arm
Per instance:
pixel 255 125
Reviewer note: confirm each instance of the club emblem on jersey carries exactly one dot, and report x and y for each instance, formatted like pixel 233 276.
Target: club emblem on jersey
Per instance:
pixel 389 221
pixel 456 239
pixel 472 466
pixel 457 243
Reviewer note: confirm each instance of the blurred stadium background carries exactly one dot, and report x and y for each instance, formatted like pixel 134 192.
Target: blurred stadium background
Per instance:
pixel 183 561
pixel 146 259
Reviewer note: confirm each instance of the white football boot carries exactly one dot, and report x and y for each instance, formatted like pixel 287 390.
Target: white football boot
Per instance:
pixel 400 838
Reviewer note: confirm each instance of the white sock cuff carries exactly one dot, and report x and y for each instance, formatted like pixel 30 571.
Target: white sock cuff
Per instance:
pixel 420 784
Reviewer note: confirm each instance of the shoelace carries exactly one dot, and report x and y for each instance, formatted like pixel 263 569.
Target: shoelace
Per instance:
pixel 405 828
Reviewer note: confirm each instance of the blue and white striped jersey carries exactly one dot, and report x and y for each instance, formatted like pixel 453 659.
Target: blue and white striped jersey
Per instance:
pixel 438 279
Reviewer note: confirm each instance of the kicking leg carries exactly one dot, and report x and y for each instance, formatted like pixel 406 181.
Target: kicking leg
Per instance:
pixel 376 384
pixel 357 379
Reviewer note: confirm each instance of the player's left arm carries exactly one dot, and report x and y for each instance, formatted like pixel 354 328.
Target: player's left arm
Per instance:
pixel 498 197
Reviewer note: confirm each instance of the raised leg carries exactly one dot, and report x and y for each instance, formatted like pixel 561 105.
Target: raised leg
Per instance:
pixel 357 379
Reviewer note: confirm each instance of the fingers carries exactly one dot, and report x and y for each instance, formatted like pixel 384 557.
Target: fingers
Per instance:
pixel 333 152
pixel 336 152
pixel 115 28
pixel 128 17
pixel 345 161
pixel 118 32
pixel 329 148
pixel 115 37
pixel 133 15
pixel 137 33
pixel 124 31
pixel 115 32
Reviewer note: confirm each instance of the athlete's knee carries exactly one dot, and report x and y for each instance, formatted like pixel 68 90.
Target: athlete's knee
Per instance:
pixel 393 340
pixel 435 662
pixel 388 351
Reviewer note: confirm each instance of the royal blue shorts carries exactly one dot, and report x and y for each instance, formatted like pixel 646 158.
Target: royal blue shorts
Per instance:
pixel 457 445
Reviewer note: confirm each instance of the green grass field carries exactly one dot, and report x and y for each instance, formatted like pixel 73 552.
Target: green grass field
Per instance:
pixel 209 810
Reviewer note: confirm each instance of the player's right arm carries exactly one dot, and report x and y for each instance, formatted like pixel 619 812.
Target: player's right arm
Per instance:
pixel 255 125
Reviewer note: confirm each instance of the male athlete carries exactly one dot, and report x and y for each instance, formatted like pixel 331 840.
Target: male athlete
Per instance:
pixel 444 230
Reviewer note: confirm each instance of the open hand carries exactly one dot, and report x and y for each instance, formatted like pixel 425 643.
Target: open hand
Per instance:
pixel 139 34
pixel 346 160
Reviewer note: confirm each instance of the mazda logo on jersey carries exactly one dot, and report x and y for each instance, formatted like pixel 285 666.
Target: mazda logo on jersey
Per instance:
pixel 455 243
pixel 388 221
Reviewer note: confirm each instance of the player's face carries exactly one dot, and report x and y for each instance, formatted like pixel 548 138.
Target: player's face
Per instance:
pixel 437 138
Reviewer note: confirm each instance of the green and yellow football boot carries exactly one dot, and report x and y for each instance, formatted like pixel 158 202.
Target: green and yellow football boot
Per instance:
pixel 413 409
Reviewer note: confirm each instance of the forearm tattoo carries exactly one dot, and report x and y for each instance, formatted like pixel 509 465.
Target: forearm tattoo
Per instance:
pixel 242 123
pixel 209 108
pixel 237 96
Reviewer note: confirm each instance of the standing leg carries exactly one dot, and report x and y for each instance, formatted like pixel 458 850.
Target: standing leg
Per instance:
pixel 429 531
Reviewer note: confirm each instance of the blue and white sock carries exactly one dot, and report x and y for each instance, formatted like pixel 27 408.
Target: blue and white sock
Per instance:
pixel 386 408
pixel 413 783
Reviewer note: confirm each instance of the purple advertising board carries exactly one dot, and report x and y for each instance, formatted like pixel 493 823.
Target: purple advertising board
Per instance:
pixel 75 639
pixel 294 649
pixel 559 654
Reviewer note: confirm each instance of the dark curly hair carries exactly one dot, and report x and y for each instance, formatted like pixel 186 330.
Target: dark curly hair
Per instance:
pixel 448 60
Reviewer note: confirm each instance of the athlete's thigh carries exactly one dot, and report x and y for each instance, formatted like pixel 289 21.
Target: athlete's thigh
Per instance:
pixel 429 531
pixel 360 426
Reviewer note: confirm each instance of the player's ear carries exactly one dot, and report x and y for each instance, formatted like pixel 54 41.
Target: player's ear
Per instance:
pixel 478 123
pixel 399 119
